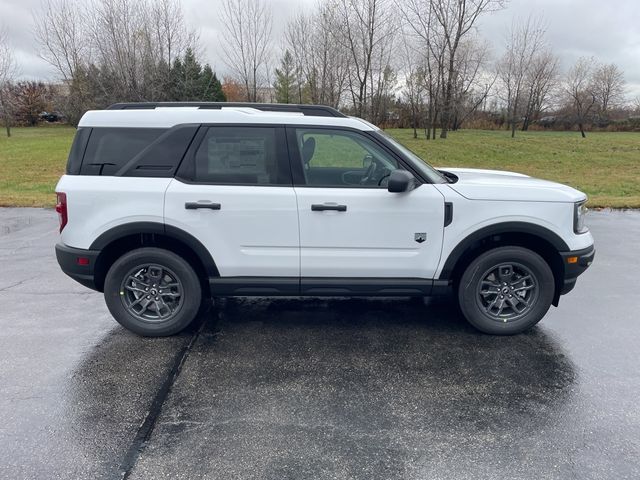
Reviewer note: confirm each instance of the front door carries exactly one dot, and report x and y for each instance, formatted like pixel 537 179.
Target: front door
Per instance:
pixel 351 226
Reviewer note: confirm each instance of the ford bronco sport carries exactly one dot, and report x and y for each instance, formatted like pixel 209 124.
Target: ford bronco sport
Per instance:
pixel 165 205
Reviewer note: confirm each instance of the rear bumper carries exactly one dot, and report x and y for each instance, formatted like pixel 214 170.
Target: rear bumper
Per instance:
pixel 575 264
pixel 82 271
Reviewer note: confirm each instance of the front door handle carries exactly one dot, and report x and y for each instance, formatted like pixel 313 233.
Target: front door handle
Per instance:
pixel 196 205
pixel 320 207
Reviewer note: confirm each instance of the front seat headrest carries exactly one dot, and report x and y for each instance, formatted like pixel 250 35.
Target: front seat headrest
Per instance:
pixel 308 149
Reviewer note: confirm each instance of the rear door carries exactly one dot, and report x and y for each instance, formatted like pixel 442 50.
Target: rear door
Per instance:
pixel 234 194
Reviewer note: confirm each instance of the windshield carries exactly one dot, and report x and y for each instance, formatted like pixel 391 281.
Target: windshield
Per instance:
pixel 433 175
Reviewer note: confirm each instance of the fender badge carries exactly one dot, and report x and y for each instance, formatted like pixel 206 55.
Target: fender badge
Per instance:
pixel 420 237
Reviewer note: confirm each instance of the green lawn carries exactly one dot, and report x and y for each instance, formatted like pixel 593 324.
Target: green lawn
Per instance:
pixel 604 165
pixel 31 161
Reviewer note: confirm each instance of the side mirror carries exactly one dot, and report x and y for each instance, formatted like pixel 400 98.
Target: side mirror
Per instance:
pixel 400 181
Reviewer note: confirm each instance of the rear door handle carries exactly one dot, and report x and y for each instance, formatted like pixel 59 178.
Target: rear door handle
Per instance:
pixel 320 207
pixel 196 205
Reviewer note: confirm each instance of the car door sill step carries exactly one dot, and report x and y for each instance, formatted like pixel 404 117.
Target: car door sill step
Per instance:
pixel 326 286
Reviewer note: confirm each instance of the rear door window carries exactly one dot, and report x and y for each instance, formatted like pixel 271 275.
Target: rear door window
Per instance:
pixel 242 156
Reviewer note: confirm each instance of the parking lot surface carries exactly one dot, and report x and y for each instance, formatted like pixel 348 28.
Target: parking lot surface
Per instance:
pixel 317 388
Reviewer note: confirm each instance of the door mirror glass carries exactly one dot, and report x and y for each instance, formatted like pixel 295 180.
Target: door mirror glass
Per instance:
pixel 400 181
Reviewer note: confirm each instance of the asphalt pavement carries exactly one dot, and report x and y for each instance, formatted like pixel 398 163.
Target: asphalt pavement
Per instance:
pixel 317 388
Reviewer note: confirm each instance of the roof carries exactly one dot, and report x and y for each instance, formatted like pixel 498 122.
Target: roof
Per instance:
pixel 167 117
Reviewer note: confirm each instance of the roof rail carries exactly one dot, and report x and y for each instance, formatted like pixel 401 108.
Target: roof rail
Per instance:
pixel 307 110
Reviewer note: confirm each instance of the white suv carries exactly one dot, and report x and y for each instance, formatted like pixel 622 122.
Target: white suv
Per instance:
pixel 165 205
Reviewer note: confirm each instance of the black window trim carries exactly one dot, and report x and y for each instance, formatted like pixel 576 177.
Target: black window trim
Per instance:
pixel 295 158
pixel 186 171
pixel 74 165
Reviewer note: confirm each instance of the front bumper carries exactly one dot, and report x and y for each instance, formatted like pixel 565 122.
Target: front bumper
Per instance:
pixel 78 263
pixel 575 264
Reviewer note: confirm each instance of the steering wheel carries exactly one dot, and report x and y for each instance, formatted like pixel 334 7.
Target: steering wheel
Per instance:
pixel 368 175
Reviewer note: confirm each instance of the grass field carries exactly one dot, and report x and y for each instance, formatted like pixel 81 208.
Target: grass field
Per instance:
pixel 604 165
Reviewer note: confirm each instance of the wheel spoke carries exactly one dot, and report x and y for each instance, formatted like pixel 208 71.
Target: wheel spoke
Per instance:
pixel 515 301
pixel 524 288
pixel 135 289
pixel 158 308
pixel 131 278
pixel 520 280
pixel 170 294
pixel 137 302
pixel 492 304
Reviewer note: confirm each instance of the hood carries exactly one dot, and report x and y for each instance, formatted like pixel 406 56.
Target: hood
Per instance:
pixel 476 184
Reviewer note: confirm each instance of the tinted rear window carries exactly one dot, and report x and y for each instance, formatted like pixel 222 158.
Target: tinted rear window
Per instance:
pixel 110 148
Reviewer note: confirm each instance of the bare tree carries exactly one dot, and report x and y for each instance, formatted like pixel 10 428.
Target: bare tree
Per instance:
pixel 172 36
pixel 540 84
pixel 473 81
pixel 61 31
pixel 246 42
pixel 524 40
pixel 8 71
pixel 580 91
pixel 414 85
pixel 321 61
pixel 608 83
pixel 455 20
pixel 454 62
pixel 366 31
pixel 418 16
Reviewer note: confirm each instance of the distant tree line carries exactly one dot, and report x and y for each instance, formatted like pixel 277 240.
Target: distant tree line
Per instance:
pixel 418 63
pixel 412 63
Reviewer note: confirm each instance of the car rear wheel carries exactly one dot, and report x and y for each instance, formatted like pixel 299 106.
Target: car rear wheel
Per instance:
pixel 506 290
pixel 152 292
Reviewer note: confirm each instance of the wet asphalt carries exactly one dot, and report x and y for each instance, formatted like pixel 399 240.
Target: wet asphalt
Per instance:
pixel 317 388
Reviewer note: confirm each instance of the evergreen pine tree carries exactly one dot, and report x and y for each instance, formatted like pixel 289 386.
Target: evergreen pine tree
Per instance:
pixel 286 79
pixel 191 82
pixel 210 86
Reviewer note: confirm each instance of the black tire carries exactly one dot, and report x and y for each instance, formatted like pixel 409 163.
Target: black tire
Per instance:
pixel 133 307
pixel 501 304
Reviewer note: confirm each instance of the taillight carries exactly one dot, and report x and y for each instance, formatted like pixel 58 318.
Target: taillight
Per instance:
pixel 61 208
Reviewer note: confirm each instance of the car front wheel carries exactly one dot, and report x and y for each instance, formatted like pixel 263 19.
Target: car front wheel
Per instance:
pixel 506 290
pixel 152 292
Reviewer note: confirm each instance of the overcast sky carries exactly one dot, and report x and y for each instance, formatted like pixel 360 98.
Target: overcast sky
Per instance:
pixel 608 30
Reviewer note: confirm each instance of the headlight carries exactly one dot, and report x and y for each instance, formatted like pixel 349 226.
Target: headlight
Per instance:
pixel 580 210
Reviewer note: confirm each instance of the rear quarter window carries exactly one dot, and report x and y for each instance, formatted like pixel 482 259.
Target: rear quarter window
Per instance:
pixel 108 149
